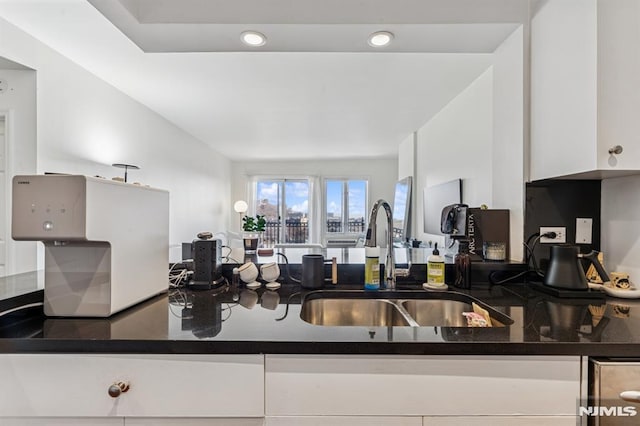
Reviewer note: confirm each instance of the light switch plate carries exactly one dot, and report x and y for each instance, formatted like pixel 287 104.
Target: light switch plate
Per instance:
pixel 584 228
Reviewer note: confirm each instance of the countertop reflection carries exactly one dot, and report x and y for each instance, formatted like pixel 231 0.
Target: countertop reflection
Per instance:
pixel 239 320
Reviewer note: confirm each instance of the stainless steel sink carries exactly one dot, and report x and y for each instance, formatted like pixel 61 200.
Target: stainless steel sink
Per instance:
pixel 345 312
pixel 397 308
pixel 442 312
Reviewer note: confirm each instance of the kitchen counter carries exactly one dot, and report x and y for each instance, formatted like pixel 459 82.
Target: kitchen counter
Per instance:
pixel 238 321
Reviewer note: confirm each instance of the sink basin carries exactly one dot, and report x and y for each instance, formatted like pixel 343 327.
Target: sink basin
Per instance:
pixel 393 308
pixel 346 312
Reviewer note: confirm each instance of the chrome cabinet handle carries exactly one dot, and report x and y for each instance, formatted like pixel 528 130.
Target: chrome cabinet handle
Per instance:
pixel 118 388
pixel 630 396
pixel 617 149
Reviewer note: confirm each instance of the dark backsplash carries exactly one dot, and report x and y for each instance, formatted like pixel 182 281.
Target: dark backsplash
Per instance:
pixel 559 203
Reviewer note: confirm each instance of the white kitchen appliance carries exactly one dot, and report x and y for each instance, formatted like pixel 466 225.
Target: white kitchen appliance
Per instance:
pixel 106 243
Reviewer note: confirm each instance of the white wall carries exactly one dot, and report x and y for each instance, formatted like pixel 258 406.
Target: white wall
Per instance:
pixel 457 143
pixel 407 157
pixel 18 105
pixel 478 137
pixel 382 175
pixel 620 228
pixel 508 160
pixel 84 125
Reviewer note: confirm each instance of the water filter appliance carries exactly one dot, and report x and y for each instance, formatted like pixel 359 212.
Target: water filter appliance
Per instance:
pixel 106 243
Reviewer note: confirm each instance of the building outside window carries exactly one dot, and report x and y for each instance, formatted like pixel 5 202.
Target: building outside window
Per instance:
pixel 345 207
pixel 285 205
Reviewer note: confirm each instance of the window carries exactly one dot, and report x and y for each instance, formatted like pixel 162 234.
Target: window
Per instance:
pixel 345 206
pixel 285 205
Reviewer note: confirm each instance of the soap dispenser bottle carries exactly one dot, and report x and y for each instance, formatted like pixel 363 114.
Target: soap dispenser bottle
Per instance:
pixel 435 268
pixel 372 268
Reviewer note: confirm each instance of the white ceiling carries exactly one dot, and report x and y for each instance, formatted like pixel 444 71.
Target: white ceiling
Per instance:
pixel 317 90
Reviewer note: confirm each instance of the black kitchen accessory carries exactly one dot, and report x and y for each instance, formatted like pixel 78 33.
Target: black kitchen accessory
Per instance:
pixel 207 263
pixel 453 220
pixel 313 271
pixel 566 271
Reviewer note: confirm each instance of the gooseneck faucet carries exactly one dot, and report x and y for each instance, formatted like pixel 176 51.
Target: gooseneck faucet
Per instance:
pixel 371 241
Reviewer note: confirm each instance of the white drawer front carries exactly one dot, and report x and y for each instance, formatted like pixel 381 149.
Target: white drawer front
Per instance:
pixel 193 422
pixel 421 385
pixel 160 385
pixel 59 421
pixel 343 421
pixel 502 421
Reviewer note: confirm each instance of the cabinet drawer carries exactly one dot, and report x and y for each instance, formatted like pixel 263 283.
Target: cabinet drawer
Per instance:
pixel 343 421
pixel 421 385
pixel 160 385
pixel 60 421
pixel 503 421
pixel 178 421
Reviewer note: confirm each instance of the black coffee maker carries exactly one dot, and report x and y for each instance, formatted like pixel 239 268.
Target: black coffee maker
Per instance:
pixel 566 271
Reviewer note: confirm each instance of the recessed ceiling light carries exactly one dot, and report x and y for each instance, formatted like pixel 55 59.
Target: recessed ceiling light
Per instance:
pixel 253 38
pixel 380 38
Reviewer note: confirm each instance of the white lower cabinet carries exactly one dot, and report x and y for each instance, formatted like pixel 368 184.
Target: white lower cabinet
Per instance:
pixel 288 390
pixel 177 386
pixel 353 385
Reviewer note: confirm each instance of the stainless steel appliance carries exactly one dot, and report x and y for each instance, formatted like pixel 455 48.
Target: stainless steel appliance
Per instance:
pixel 614 392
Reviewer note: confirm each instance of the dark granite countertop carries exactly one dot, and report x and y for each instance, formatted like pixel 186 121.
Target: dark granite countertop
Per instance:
pixel 241 321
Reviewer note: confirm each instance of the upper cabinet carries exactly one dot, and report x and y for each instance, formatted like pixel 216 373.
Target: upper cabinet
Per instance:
pixel 585 89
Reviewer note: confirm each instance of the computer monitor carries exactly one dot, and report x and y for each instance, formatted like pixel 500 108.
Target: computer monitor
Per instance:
pixel 402 211
pixel 435 198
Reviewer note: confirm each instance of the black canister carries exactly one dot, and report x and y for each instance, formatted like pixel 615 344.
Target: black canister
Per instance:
pixel 312 271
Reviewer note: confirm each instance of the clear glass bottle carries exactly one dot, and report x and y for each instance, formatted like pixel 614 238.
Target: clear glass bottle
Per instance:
pixel 462 266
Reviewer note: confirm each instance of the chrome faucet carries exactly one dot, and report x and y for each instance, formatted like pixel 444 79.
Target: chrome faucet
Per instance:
pixel 371 241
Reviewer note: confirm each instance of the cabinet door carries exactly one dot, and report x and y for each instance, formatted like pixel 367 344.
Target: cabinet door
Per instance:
pixel 421 385
pixel 343 421
pixel 160 385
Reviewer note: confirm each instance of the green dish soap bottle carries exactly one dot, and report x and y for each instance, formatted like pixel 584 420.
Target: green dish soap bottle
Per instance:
pixel 435 270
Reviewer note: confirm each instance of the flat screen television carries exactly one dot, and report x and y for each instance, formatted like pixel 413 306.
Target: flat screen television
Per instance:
pixel 402 211
pixel 435 198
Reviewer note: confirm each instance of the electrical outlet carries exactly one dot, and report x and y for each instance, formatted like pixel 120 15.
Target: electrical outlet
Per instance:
pixel 561 234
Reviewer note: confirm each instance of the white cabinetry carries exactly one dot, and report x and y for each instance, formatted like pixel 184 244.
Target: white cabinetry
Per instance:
pixel 160 386
pixel 585 88
pixel 394 386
